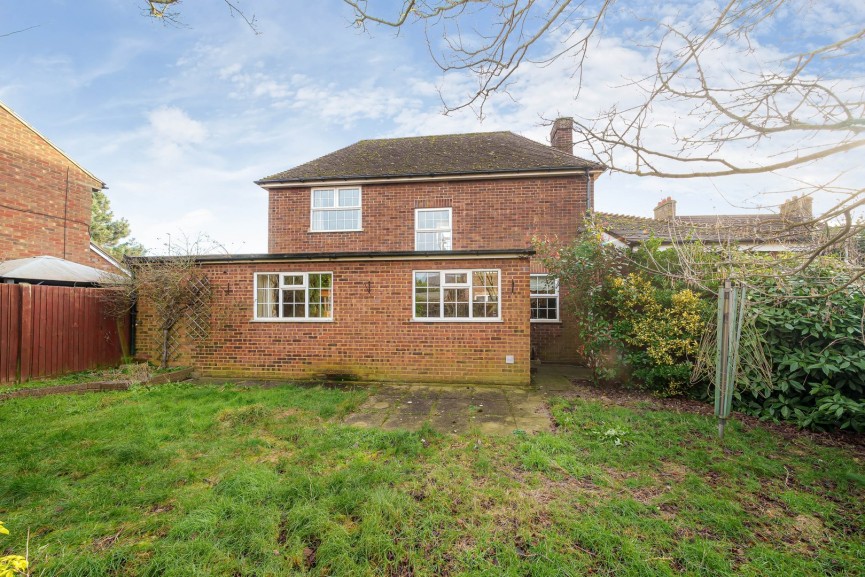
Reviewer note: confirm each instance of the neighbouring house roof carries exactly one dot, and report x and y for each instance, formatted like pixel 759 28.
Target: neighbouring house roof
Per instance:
pixel 723 228
pixel 52 145
pixel 444 155
pixel 52 269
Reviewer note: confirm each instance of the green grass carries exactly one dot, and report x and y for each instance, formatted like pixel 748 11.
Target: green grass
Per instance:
pixel 130 372
pixel 195 480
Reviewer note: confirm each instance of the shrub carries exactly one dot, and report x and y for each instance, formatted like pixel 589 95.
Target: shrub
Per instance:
pixel 585 268
pixel 660 330
pixel 636 322
pixel 814 347
pixel 11 565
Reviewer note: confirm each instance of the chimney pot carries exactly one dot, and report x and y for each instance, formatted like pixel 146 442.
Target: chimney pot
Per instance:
pixel 562 135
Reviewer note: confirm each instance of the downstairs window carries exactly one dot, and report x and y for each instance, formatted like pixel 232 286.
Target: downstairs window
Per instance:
pixel 457 295
pixel 296 296
pixel 544 291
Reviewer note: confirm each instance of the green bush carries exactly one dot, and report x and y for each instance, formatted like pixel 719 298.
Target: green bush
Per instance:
pixel 814 347
pixel 660 330
pixel 634 324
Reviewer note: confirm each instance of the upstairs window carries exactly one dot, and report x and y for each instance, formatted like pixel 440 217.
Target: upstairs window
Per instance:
pixel 296 296
pixel 432 229
pixel 544 291
pixel 335 209
pixel 456 295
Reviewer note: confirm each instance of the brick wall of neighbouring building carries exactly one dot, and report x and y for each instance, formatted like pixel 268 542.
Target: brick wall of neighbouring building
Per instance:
pixel 45 198
pixel 487 214
pixel 372 335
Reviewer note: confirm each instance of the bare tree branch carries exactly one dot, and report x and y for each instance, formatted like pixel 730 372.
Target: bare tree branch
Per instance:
pixel 718 102
pixel 168 11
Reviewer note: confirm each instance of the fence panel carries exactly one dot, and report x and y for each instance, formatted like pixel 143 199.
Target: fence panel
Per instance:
pixel 10 331
pixel 48 331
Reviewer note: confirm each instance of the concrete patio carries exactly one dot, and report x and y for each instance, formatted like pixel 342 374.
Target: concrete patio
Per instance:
pixel 462 408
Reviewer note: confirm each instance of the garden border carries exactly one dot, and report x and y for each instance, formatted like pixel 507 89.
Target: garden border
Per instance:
pixel 97 386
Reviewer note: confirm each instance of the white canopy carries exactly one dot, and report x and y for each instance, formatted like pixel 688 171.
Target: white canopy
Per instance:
pixel 53 269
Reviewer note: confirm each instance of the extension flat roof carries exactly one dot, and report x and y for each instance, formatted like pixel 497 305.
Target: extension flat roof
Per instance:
pixel 335 256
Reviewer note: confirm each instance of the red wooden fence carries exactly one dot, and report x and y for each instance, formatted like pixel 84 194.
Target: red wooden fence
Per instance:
pixel 47 331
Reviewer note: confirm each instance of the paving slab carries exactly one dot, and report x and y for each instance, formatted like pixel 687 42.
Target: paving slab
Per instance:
pixel 459 409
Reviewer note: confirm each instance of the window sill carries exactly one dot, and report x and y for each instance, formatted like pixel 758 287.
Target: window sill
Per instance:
pixel 457 320
pixel 546 321
pixel 340 230
pixel 291 320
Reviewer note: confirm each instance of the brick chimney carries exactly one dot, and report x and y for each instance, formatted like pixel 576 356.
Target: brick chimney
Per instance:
pixel 562 135
pixel 666 209
pixel 797 209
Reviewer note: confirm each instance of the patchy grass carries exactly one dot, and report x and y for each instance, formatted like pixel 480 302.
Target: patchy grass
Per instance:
pixel 131 373
pixel 220 480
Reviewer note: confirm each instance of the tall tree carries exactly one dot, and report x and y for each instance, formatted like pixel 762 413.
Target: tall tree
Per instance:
pixel 109 232
pixel 727 87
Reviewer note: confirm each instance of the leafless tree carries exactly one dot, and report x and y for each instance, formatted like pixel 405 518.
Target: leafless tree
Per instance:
pixel 715 100
pixel 172 288
pixel 169 11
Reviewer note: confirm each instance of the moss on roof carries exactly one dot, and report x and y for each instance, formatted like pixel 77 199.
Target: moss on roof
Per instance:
pixel 724 228
pixel 449 154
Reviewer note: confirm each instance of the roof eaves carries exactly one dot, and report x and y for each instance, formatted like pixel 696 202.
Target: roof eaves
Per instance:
pixel 52 145
pixel 550 169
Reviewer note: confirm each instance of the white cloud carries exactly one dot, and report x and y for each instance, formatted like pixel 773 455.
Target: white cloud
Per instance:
pixel 213 107
pixel 173 125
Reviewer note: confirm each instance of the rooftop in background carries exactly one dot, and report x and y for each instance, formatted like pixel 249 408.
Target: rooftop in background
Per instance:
pixel 790 226
pixel 445 155
pixel 52 270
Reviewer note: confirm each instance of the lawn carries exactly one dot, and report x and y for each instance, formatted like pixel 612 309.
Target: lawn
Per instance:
pixel 220 480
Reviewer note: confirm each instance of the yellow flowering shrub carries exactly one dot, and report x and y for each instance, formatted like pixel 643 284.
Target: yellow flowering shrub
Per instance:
pixel 11 565
pixel 661 330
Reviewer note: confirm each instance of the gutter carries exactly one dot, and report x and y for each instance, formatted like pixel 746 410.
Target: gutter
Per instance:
pixel 339 256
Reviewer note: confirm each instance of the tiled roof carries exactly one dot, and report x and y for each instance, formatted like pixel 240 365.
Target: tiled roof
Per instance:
pixel 723 228
pixel 450 154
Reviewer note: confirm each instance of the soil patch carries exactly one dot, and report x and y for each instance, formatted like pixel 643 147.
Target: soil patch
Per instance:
pixel 617 394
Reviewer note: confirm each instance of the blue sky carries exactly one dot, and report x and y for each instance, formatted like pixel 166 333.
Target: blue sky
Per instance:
pixel 179 120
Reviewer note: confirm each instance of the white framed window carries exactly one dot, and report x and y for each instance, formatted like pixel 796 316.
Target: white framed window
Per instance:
pixel 335 209
pixel 457 295
pixel 293 296
pixel 544 291
pixel 433 229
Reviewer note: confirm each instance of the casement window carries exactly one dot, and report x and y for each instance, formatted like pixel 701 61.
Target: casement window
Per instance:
pixel 432 229
pixel 457 295
pixel 294 296
pixel 544 291
pixel 335 209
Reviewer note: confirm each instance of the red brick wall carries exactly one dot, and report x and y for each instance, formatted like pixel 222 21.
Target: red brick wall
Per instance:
pixel 493 214
pixel 33 204
pixel 96 261
pixel 486 215
pixel 372 335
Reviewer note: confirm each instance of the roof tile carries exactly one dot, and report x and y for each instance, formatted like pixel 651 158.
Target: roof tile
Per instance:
pixel 450 154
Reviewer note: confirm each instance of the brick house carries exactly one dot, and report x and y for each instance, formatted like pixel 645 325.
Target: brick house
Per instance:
pixel 45 199
pixel 406 259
